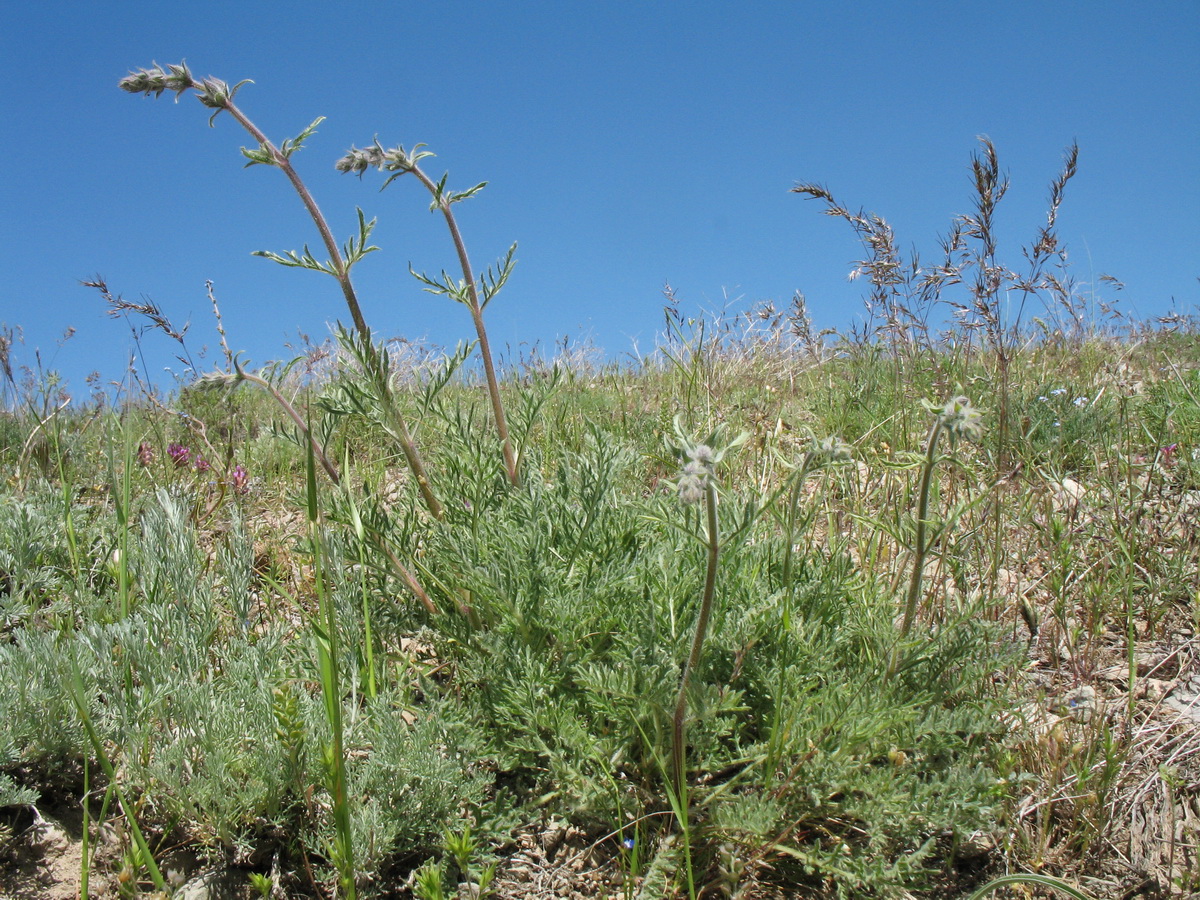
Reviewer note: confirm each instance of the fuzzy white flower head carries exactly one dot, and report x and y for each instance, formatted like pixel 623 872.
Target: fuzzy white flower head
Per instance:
pixel 702 458
pixel 831 450
pixel 691 488
pixel 961 419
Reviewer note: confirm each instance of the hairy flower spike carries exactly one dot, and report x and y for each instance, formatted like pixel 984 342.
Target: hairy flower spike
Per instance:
pixel 211 92
pixel 156 80
pixel 357 161
pixel 702 457
pixel 708 451
pixel 693 482
pixel 396 160
pixel 702 454
pixel 216 381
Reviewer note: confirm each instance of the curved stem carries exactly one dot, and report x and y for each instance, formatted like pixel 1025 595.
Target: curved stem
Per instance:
pixel 318 452
pixel 679 725
pixel 331 470
pixel 485 351
pixel 335 255
pixel 407 445
pixel 919 547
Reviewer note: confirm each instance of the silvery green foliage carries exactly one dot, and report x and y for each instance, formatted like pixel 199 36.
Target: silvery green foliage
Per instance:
pixel 235 569
pixel 418 779
pixel 167 565
pixel 34 559
pixel 11 794
pixel 186 695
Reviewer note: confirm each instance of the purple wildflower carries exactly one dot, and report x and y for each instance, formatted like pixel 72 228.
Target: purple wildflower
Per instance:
pixel 180 455
pixel 145 455
pixel 239 481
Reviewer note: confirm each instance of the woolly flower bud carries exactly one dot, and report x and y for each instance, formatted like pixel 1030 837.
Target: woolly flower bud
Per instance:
pixel 215 93
pixel 830 450
pixel 155 81
pixel 702 454
pixel 961 419
pixel 358 161
pixel 694 480
pixel 213 381
pixel 691 489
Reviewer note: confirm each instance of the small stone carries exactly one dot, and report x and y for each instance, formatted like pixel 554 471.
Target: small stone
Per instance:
pixel 1082 704
pixel 215 884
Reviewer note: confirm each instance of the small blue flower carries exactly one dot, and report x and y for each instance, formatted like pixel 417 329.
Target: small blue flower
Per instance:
pixel 628 843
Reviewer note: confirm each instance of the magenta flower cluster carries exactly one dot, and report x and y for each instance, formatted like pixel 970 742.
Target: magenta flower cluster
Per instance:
pixel 239 481
pixel 181 456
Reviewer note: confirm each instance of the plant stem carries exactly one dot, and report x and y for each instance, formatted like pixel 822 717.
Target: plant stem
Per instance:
pixel 75 686
pixel 679 725
pixel 489 368
pixel 331 470
pixel 335 255
pixel 292 414
pixel 329 663
pixel 85 846
pixel 790 521
pixel 920 547
pixel 342 273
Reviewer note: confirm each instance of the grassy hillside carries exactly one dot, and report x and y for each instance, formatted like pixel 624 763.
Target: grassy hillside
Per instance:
pixel 929 658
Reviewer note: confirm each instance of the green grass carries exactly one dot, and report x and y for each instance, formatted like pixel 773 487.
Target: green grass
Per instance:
pixel 544 685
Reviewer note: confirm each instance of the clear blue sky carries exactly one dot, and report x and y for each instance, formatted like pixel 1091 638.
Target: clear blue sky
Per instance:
pixel 626 144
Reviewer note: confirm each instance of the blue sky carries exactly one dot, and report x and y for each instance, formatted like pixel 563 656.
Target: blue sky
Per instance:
pixel 625 144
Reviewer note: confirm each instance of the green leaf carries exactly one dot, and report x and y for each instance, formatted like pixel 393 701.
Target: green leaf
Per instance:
pixel 492 282
pixel 1043 880
pixel 292 259
pixel 455 197
pixel 352 250
pixel 290 146
pixel 259 156
pixel 439 194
